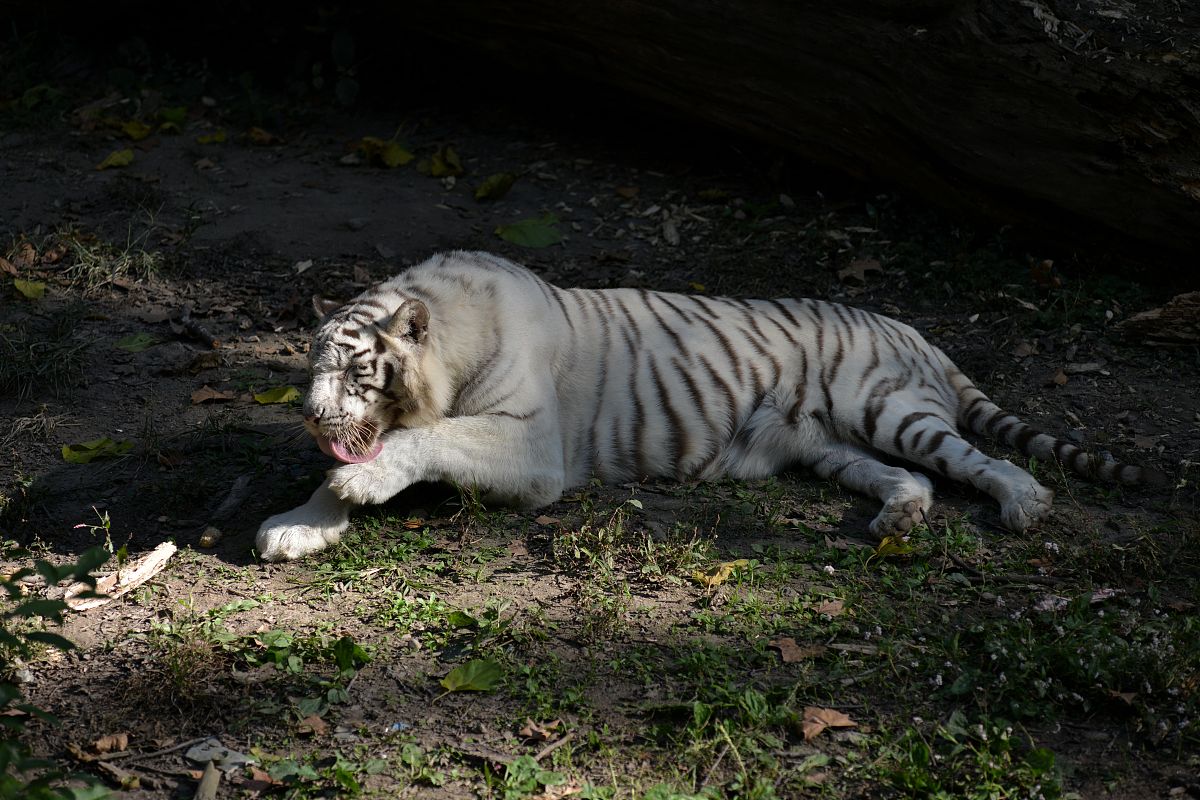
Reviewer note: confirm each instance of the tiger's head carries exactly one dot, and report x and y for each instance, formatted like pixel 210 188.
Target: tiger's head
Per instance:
pixel 367 375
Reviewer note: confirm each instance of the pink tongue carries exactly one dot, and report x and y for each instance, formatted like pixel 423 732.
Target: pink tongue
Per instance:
pixel 338 450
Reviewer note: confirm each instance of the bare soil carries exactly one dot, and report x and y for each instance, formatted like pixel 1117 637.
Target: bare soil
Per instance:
pixel 245 231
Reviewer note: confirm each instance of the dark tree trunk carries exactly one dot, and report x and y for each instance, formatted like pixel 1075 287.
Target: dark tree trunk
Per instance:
pixel 1078 118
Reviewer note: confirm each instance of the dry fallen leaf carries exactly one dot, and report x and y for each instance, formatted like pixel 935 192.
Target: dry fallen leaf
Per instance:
pixel 559 792
pixel 816 720
pixel 856 271
pixel 791 652
pixel 1125 697
pixel 542 731
pixel 1042 274
pixel 260 136
pixel 7 267
pixel 312 724
pixel 830 608
pixel 1060 377
pixel 207 394
pixel 112 743
pixel 1023 350
pixel 26 256
pixel 628 192
pixel 1145 442
pixel 54 254
pixel 544 520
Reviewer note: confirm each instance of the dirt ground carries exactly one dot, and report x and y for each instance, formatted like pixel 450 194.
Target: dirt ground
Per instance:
pixel 590 607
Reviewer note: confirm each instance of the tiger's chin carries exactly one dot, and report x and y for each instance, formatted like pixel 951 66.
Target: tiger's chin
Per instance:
pixel 339 450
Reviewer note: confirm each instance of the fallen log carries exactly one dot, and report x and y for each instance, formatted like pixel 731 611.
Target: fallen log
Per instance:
pixel 1074 118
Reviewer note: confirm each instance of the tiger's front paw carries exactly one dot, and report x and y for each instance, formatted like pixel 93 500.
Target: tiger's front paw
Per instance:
pixel 297 533
pixel 366 484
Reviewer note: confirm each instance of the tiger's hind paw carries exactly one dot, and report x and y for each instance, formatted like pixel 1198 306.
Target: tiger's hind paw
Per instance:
pixel 904 508
pixel 1027 507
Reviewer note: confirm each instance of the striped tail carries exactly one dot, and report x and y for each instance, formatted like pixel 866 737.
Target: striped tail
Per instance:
pixel 979 414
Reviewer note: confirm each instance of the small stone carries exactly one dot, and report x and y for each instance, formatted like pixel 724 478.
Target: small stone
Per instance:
pixel 210 537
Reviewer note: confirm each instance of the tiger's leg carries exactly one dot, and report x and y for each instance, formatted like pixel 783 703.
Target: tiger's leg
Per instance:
pixel 515 459
pixel 305 529
pixel 772 440
pixel 935 443
pixel 905 495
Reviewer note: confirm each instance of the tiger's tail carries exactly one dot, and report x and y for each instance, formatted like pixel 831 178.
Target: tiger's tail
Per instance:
pixel 979 414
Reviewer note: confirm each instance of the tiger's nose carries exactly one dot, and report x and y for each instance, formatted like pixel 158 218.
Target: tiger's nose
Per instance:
pixel 314 414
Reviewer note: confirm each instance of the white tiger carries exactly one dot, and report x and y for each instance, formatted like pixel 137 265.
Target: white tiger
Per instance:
pixel 469 368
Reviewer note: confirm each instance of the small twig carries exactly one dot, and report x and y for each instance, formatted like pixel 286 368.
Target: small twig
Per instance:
pixel 853 679
pixel 165 751
pixel 711 769
pixel 964 566
pixel 550 748
pixel 1007 577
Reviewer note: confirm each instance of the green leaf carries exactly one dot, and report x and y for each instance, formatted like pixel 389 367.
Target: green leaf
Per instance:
pixel 280 394
pixel 86 452
pixel 533 232
pixel 89 560
pixel 216 137
pixel 34 290
pixel 349 655
pixel 495 186
pixel 117 158
pixel 461 619
pixel 480 675
pixel 174 115
pixel 137 342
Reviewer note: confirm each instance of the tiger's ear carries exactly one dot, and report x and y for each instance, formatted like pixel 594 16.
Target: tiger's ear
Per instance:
pixel 411 321
pixel 324 307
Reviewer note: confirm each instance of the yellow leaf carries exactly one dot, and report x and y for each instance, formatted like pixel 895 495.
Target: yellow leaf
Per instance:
pixel 892 546
pixel 718 574
pixel 697 287
pixel 85 452
pixel 496 186
pixel 34 290
pixel 394 155
pixel 441 164
pixel 280 394
pixel 136 130
pixel 260 136
pixel 216 137
pixel 388 153
pixel 117 158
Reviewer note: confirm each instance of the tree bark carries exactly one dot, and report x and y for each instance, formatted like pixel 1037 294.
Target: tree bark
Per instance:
pixel 1074 118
